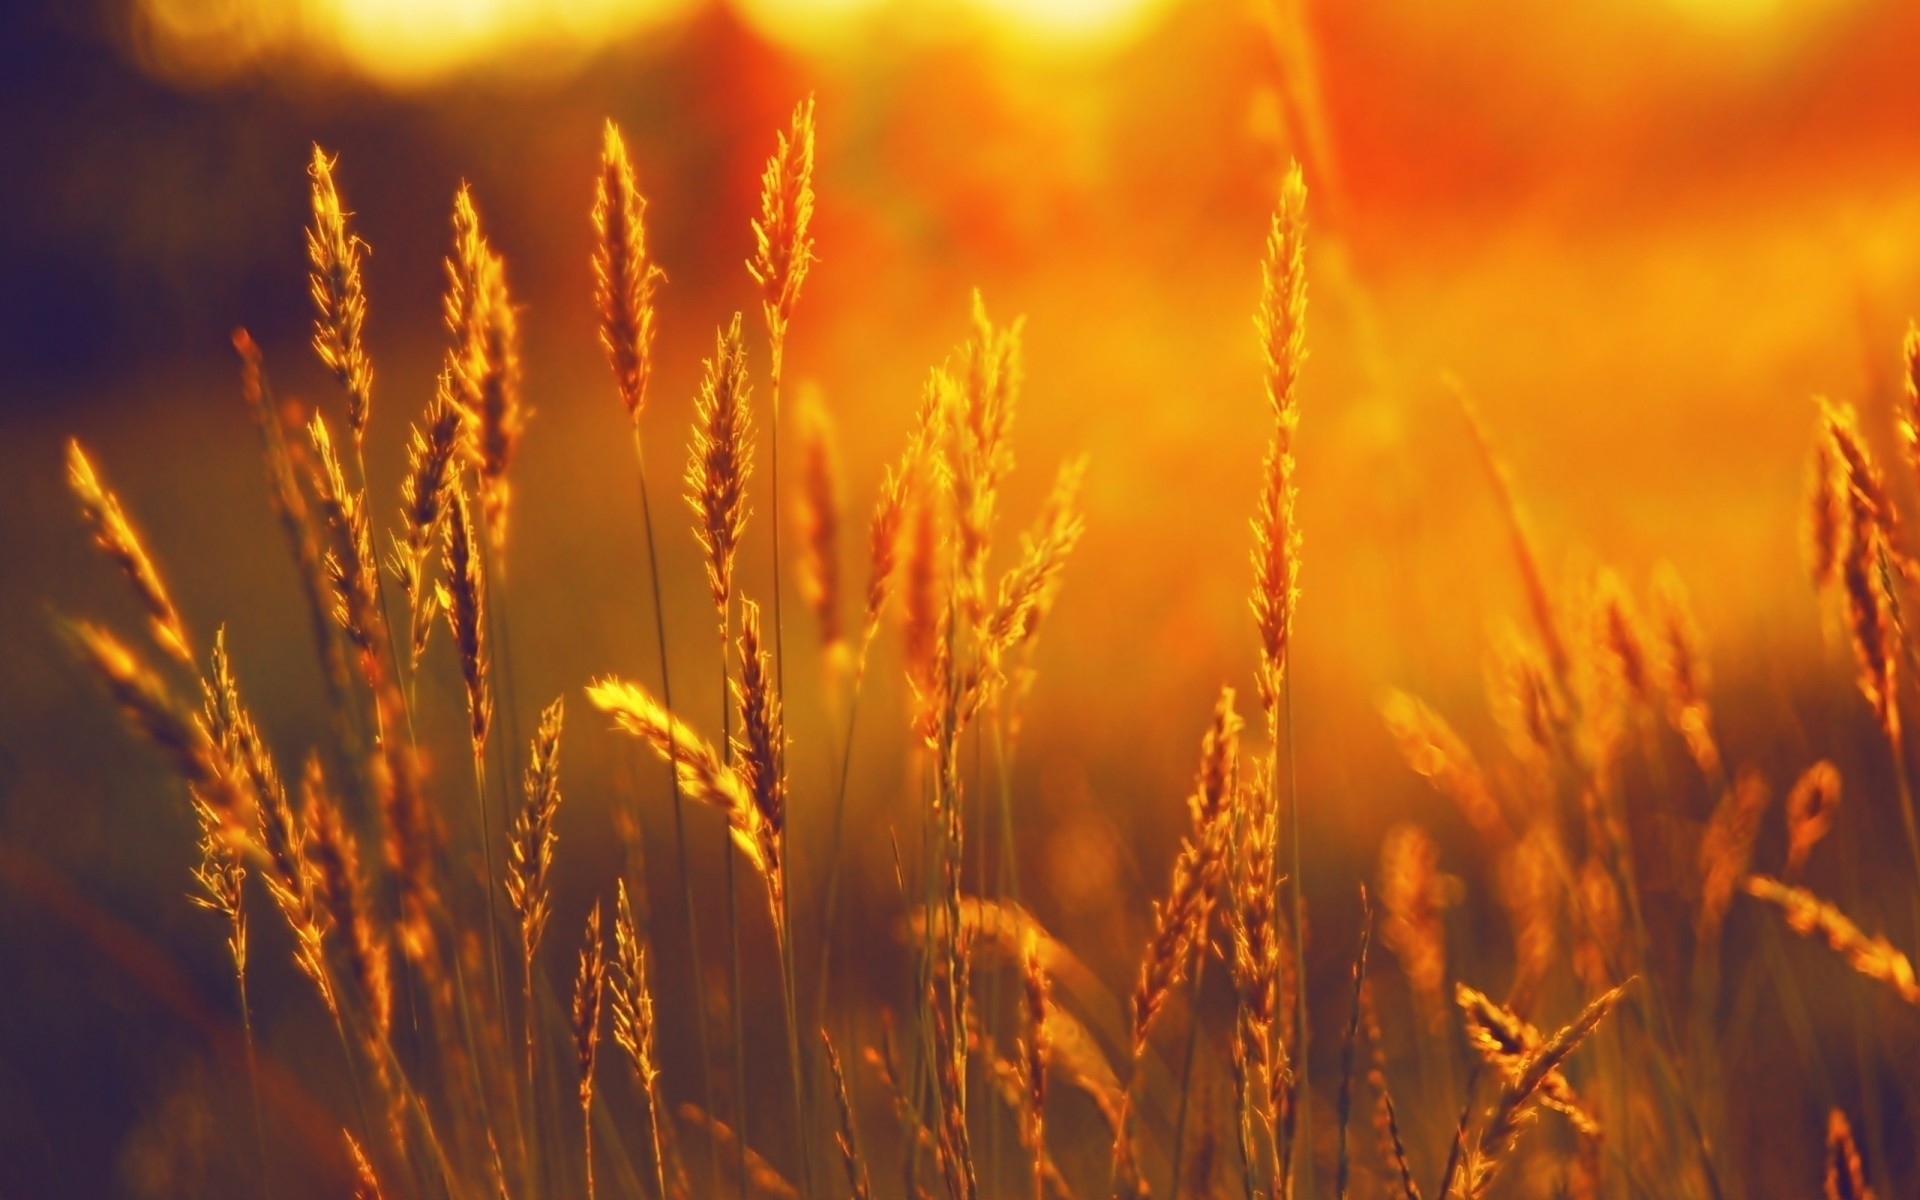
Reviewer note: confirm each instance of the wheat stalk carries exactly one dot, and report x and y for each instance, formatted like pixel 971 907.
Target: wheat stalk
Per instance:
pixel 116 537
pixel 289 504
pixel 783 250
pixel 1411 899
pixel 339 295
pixel 530 857
pixel 1811 807
pixel 146 701
pixel 1181 923
pixel 1350 1042
pixel 762 755
pixel 625 279
pixel 423 507
pixel 818 513
pixel 1386 1120
pixel 366 1185
pixel 1846 1178
pixel 859 1183
pixel 624 275
pixel 1037 1051
pixel 721 464
pixel 486 362
pixel 1808 915
pixel 702 775
pixel 333 859
pixel 589 994
pixel 1524 1080
pixel 278 833
pixel 631 999
pixel 1684 678
pixel 1726 847
pixel 1280 325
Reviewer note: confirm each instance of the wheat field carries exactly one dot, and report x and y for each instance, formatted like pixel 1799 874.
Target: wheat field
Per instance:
pixel 834 765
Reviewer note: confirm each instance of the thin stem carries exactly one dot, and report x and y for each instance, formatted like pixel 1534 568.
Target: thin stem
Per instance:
pixel 486 858
pixel 586 1129
pixel 653 1137
pixel 733 924
pixel 783 930
pixel 533 1084
pixel 833 853
pixel 679 818
pixel 1186 1066
pixel 253 1065
pixel 1302 1125
pixel 776 356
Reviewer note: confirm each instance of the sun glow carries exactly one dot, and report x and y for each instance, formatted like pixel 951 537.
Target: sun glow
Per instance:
pixel 413 42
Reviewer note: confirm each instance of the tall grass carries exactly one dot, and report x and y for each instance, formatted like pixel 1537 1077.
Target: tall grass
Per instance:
pixel 1573 1016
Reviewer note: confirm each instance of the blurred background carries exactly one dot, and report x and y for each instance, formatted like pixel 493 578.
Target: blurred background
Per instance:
pixel 1645 233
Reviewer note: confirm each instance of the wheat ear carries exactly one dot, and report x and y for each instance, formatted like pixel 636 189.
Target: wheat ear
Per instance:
pixel 589 993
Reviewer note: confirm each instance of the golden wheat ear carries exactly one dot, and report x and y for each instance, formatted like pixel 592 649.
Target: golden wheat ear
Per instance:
pixel 1846 1177
pixel 859 1184
pixel 116 537
pixel 1808 915
pixel 366 1185
pixel 624 277
pixel 589 993
pixel 782 233
pixel 818 511
pixel 339 294
pixel 721 462
pixel 630 992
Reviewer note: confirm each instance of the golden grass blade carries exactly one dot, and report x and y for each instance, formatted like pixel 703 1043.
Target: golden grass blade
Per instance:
pixel 1540 603
pixel 1846 1178
pixel 1036 1053
pixel 285 871
pixel 981 403
pixel 289 504
pixel 1506 1041
pixel 333 860
pixel 1621 638
pixel 1826 520
pixel 339 295
pixel 1441 756
pixel 782 233
pixel 117 538
pixel 1726 848
pixel 624 277
pixel 1393 1148
pixel 761 749
pixel 703 776
pixel 722 462
pixel 818 513
pixel 631 999
pixel 366 1185
pixel 1811 808
pixel 467 586
pixel 530 848
pixel 761 1176
pixel 1412 899
pixel 1522 1083
pixel 423 507
pixel 1281 324
pixel 589 994
pixel 1350 1043
pixel 1808 915
pixel 1181 922
pixel 146 701
pixel 859 1183
pixel 485 361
